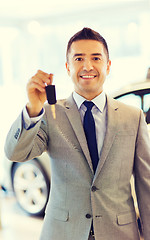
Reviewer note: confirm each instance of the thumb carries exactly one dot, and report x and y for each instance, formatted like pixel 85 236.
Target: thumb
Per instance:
pixel 51 78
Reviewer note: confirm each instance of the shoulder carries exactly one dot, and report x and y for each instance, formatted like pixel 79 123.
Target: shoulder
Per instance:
pixel 127 114
pixel 123 107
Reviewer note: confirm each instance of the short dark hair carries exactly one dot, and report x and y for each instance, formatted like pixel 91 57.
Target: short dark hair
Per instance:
pixel 87 34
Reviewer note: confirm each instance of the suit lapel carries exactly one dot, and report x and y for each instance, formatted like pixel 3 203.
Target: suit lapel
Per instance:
pixel 75 121
pixel 110 133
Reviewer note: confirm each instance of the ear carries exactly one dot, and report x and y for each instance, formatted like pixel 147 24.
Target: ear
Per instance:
pixel 67 67
pixel 108 66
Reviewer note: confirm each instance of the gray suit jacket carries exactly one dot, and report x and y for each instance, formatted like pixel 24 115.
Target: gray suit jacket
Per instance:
pixel 78 196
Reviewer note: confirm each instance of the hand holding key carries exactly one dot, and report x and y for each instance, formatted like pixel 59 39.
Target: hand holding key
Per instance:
pixel 37 93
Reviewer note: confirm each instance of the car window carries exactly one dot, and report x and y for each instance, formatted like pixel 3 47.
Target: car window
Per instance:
pixel 146 102
pixel 147 108
pixel 136 101
pixel 131 99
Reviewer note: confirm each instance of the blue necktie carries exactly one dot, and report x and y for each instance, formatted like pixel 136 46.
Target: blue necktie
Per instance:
pixel 90 133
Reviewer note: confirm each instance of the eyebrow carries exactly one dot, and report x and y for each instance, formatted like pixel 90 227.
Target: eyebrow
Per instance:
pixel 83 54
pixel 96 54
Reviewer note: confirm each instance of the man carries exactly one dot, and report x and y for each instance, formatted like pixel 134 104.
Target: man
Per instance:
pixel 90 194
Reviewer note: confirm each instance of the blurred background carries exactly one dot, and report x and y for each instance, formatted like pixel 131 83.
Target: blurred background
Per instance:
pixel 34 35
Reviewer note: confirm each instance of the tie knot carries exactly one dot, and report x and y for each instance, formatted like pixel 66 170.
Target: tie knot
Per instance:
pixel 88 104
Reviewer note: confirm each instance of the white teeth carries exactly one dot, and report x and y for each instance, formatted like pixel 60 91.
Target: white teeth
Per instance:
pixel 87 76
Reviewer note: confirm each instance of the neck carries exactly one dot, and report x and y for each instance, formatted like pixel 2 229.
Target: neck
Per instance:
pixel 89 96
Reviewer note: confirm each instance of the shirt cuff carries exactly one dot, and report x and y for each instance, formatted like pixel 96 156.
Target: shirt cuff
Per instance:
pixel 29 122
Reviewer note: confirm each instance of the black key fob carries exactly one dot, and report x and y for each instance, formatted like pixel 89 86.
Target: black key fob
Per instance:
pixel 51 94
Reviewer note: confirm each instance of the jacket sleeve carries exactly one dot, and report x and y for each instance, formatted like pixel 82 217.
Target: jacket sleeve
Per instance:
pixel 142 174
pixel 22 144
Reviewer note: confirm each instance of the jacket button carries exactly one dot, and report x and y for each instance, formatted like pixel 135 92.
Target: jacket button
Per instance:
pixel 94 189
pixel 88 215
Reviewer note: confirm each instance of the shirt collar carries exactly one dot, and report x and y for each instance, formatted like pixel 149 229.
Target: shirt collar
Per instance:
pixel 99 101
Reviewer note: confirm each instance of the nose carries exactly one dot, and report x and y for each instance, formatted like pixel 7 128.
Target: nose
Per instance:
pixel 87 65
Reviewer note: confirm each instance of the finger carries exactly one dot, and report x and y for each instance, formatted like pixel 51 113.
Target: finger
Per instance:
pixel 44 77
pixel 33 85
pixel 51 78
pixel 38 80
pixel 41 80
pixel 40 72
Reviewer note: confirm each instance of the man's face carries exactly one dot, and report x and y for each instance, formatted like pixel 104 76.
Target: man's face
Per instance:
pixel 88 67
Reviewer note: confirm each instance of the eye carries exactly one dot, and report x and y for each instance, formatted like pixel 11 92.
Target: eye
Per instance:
pixel 96 58
pixel 78 59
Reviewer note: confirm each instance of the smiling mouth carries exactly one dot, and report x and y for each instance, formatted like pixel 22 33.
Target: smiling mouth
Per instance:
pixel 87 76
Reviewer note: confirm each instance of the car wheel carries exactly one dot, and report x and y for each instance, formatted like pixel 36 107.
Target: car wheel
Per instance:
pixel 31 186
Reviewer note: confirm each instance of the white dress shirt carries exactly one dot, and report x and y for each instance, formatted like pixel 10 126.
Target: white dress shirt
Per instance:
pixel 99 114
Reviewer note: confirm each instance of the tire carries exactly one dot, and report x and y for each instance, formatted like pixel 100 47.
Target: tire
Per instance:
pixel 31 187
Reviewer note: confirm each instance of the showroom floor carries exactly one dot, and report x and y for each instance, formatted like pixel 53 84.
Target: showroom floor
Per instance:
pixel 15 224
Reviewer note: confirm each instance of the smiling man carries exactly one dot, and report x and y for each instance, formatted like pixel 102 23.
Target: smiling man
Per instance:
pixel 88 65
pixel 95 144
